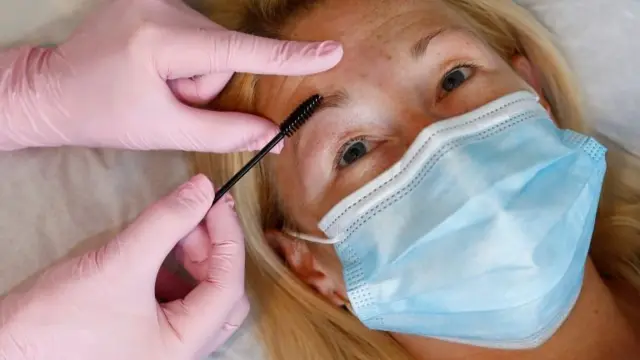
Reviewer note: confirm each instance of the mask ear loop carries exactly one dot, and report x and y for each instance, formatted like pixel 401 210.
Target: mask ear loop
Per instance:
pixel 347 306
pixel 311 238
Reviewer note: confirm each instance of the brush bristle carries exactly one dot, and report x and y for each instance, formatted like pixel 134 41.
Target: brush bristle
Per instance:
pixel 300 115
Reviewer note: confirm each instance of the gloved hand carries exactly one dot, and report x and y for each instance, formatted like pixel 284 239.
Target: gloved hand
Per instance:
pixel 118 82
pixel 101 306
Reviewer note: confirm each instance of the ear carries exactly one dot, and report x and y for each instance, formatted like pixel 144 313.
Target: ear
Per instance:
pixel 531 75
pixel 302 259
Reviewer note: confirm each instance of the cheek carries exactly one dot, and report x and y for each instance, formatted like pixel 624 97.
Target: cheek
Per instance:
pixel 290 191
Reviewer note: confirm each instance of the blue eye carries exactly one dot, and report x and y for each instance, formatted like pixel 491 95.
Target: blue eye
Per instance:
pixel 353 151
pixel 456 77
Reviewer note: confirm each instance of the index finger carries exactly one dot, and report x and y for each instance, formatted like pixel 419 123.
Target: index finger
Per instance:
pixel 205 309
pixel 195 53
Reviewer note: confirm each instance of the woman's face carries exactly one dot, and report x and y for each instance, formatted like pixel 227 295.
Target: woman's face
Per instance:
pixel 406 65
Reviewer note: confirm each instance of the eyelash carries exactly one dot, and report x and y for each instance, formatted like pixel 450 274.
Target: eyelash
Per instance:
pixel 461 65
pixel 343 148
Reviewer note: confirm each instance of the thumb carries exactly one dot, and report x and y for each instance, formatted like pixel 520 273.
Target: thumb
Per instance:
pixel 199 90
pixel 204 311
pixel 203 130
pixel 195 53
pixel 160 227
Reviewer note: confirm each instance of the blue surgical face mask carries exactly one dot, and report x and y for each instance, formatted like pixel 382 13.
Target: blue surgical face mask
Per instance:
pixel 479 234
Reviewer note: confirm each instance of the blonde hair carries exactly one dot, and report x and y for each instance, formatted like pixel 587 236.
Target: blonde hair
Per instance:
pixel 296 323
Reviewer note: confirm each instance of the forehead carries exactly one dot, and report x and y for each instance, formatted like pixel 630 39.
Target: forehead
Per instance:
pixel 375 34
pixel 351 21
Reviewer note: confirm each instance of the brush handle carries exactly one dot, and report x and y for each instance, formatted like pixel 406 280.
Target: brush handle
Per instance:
pixel 245 169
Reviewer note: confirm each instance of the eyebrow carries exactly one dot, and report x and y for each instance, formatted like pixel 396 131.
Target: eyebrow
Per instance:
pixel 336 99
pixel 419 48
pixel 340 98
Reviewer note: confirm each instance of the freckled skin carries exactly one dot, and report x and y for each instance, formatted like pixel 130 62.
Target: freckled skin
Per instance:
pixel 394 96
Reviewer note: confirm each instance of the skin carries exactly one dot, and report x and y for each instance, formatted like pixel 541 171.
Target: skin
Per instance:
pixel 392 95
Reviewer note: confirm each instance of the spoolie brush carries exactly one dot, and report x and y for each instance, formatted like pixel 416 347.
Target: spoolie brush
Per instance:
pixel 297 118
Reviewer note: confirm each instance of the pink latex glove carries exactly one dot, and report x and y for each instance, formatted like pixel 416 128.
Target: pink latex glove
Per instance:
pixel 101 306
pixel 116 82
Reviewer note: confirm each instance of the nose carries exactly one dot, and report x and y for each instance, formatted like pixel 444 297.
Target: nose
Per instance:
pixel 412 124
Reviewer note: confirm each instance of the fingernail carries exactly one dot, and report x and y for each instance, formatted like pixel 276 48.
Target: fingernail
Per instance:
pixel 228 199
pixel 264 140
pixel 196 183
pixel 329 48
pixel 278 148
pixel 258 145
pixel 199 180
pixel 255 146
pixel 230 327
pixel 185 188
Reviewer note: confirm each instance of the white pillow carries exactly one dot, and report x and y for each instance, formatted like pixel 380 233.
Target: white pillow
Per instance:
pixel 601 38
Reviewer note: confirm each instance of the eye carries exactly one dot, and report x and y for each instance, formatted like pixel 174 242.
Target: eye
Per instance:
pixel 352 151
pixel 456 77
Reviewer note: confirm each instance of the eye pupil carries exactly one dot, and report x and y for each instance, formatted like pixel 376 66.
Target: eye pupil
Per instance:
pixel 354 152
pixel 453 80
